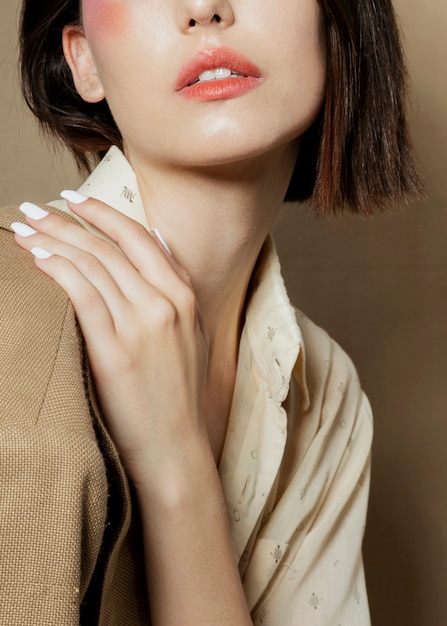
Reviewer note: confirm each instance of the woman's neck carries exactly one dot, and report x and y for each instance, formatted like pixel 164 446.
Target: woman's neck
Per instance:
pixel 215 220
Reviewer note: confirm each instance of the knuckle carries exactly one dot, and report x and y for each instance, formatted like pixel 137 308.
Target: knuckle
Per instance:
pixel 186 279
pixel 87 298
pixel 134 234
pixel 88 263
pixel 187 304
pixel 187 301
pixel 102 247
pixel 163 313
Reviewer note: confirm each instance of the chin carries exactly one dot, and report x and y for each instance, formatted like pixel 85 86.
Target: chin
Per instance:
pixel 217 145
pixel 237 155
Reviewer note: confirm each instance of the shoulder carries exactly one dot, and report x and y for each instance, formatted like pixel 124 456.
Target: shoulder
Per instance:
pixel 322 352
pixel 29 297
pixel 336 402
pixel 33 312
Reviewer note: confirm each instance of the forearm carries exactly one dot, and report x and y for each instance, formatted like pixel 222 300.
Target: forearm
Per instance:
pixel 191 571
pixel 143 331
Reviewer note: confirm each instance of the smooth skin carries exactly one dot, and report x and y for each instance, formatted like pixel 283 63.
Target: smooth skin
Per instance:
pixel 163 331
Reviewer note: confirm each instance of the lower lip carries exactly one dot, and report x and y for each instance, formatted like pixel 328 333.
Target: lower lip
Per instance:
pixel 220 89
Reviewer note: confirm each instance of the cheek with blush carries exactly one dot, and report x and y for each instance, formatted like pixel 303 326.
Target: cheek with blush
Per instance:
pixel 104 17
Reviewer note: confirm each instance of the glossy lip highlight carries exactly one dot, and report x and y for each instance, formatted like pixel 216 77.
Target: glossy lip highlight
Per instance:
pixel 249 75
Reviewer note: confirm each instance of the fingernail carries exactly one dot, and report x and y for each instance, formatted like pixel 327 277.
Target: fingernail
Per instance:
pixel 23 229
pixel 33 211
pixel 73 196
pixel 159 236
pixel 41 253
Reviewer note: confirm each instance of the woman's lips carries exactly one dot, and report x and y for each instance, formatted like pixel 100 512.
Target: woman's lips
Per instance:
pixel 197 79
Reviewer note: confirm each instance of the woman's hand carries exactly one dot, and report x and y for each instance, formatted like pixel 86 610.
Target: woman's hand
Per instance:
pixel 148 354
pixel 141 324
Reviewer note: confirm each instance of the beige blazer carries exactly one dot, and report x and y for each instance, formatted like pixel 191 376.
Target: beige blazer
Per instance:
pixel 69 552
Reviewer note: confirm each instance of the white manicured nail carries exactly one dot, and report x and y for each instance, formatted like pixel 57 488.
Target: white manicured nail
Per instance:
pixel 160 238
pixel 73 196
pixel 33 211
pixel 23 229
pixel 41 253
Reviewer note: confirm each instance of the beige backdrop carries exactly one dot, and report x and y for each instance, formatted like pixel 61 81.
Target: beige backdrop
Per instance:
pixel 379 287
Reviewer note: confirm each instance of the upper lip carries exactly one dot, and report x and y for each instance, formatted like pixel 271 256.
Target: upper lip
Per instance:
pixel 211 59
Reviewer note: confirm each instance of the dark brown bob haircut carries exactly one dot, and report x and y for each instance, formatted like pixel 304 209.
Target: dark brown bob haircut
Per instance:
pixel 357 155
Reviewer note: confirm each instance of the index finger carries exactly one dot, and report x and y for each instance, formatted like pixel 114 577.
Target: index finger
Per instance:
pixel 135 241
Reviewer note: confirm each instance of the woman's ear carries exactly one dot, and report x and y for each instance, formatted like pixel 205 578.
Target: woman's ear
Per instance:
pixel 80 61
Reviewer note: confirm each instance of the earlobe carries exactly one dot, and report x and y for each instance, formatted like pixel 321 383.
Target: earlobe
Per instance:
pixel 80 61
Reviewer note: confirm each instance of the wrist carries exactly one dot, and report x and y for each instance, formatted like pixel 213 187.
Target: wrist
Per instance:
pixel 173 478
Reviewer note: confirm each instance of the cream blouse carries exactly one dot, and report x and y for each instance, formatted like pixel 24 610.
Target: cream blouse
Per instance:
pixel 296 461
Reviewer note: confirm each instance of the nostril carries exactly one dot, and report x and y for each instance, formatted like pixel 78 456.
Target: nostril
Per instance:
pixel 215 18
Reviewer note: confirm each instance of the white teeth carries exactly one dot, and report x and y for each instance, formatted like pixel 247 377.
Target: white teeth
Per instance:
pixel 217 74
